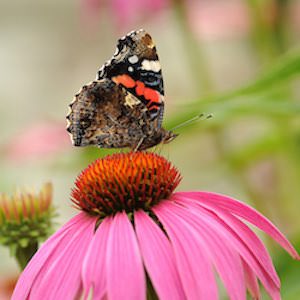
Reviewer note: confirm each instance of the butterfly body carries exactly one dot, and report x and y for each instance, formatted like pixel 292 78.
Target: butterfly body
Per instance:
pixel 124 106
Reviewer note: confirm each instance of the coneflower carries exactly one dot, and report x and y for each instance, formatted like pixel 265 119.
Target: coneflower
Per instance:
pixel 25 220
pixel 135 239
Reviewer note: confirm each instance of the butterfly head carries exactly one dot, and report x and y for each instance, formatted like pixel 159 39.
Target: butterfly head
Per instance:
pixel 168 136
pixel 161 136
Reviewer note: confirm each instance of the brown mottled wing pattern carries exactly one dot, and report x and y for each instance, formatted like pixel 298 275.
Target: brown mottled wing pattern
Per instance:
pixel 106 114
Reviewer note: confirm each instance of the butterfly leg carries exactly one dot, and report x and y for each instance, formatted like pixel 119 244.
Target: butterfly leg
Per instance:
pixel 136 148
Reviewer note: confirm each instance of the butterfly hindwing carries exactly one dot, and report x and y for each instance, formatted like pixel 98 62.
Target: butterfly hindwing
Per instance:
pixel 104 113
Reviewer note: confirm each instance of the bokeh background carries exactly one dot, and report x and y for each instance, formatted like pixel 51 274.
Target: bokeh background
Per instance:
pixel 236 59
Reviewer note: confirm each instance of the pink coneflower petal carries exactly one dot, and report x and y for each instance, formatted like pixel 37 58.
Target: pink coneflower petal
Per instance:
pixel 158 258
pixel 63 235
pixel 93 269
pixel 61 274
pixel 246 212
pixel 246 235
pixel 263 272
pixel 251 281
pixel 124 267
pixel 192 256
pixel 225 259
pixel 54 263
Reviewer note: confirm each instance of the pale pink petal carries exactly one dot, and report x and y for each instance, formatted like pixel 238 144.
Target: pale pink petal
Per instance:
pixel 93 269
pixel 47 250
pixel 124 267
pixel 251 281
pixel 158 257
pixel 226 259
pixel 244 250
pixel 246 212
pixel 60 276
pixel 192 256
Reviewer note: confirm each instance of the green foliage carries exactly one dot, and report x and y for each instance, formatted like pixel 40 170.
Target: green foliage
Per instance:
pixel 259 96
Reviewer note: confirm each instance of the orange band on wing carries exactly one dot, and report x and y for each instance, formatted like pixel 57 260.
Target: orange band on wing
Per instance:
pixel 125 80
pixel 141 90
pixel 151 95
pixel 155 107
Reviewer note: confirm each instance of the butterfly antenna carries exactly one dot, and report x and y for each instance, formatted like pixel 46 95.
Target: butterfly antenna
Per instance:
pixel 200 117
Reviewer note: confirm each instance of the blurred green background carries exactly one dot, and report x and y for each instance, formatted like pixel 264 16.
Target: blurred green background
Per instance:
pixel 239 60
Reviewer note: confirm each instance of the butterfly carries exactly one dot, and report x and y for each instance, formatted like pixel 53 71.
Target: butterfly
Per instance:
pixel 124 106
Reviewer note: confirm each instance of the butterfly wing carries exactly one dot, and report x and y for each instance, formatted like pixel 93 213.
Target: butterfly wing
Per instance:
pixel 135 66
pixel 104 113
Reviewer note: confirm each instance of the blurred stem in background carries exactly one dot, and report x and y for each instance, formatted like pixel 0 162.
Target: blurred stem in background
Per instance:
pixel 195 54
pixel 24 254
pixel 268 27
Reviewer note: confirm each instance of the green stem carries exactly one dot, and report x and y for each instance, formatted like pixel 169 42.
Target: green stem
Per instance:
pixel 151 294
pixel 199 68
pixel 23 255
pixel 269 34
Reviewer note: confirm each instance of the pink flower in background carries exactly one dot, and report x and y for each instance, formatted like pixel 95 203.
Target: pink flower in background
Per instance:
pixel 208 19
pixel 126 12
pixel 219 19
pixel 38 141
pixel 132 224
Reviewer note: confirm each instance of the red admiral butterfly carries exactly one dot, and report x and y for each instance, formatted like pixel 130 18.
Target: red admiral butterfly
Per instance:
pixel 124 106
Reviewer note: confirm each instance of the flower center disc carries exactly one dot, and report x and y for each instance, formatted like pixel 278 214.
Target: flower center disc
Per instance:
pixel 126 181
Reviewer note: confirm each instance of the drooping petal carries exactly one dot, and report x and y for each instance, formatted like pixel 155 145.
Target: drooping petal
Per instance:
pixel 60 276
pixel 251 281
pixel 124 267
pixel 225 258
pixel 246 212
pixel 246 235
pixel 158 257
pixel 93 269
pixel 48 251
pixel 264 273
pixel 192 256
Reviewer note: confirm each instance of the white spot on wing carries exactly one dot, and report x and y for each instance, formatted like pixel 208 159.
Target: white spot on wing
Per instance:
pixel 133 59
pixel 130 69
pixel 151 65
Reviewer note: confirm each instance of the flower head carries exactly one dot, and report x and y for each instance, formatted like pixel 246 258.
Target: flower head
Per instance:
pixel 25 215
pixel 25 220
pixel 125 241
pixel 125 182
